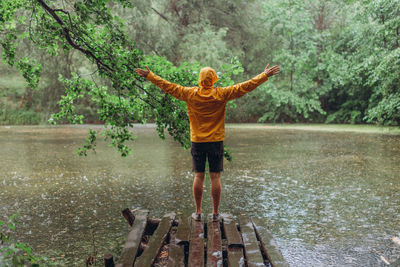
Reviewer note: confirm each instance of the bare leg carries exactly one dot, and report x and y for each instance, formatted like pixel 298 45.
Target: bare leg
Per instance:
pixel 215 190
pixel 198 190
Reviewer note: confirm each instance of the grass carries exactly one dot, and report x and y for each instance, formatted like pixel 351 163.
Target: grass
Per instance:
pixel 13 83
pixel 360 128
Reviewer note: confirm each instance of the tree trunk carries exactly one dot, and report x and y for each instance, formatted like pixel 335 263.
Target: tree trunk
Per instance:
pixel 292 65
pixel 320 25
pixel 383 33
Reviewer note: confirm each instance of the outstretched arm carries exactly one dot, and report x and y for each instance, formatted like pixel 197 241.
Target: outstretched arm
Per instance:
pixel 173 89
pixel 238 90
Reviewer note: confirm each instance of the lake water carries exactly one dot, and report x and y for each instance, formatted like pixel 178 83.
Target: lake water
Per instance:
pixel 330 198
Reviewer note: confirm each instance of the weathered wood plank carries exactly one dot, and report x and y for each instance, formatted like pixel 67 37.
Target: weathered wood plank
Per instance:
pixel 196 245
pixel 128 215
pixel 235 257
pixel 234 242
pixel 252 249
pixel 133 240
pixel 268 244
pixel 214 244
pixel 183 233
pixel 176 255
pixel 108 260
pixel 253 245
pixel 233 237
pixel 155 242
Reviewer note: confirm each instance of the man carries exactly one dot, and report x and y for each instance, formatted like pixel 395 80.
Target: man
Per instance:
pixel 206 107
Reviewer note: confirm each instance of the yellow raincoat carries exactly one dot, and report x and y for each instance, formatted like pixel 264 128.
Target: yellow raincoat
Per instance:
pixel 206 104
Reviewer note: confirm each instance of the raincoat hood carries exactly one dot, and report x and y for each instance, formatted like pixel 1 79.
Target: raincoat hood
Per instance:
pixel 207 77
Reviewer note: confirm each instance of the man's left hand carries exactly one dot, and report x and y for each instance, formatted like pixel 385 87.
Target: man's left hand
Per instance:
pixel 143 73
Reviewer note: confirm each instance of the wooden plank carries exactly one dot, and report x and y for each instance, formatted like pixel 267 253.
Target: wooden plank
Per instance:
pixel 133 240
pixel 176 255
pixel 233 237
pixel 252 249
pixel 268 244
pixel 128 215
pixel 156 241
pixel 214 243
pixel 196 244
pixel 108 260
pixel 183 233
pixel 235 257
pixel 234 242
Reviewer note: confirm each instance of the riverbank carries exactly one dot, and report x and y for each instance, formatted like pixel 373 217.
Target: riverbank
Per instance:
pixel 358 128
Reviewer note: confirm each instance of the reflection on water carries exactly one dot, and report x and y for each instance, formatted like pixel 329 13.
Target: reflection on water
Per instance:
pixel 331 199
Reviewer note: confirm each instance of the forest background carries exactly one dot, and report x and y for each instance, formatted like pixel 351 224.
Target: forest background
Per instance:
pixel 340 60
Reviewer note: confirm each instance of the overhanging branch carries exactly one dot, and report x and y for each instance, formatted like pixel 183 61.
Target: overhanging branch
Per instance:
pixel 67 35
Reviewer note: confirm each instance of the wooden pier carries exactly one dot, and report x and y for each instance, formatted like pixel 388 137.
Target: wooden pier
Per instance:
pixel 180 241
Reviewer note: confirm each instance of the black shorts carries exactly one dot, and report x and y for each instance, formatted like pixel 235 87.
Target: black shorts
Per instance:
pixel 213 151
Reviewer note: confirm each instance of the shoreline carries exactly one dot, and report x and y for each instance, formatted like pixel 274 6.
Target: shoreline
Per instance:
pixel 356 128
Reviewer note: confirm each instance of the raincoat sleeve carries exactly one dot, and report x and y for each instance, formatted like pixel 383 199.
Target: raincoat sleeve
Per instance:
pixel 238 90
pixel 178 91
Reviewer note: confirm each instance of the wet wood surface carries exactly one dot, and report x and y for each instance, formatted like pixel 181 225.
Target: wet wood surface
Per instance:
pixel 183 232
pixel 128 215
pixel 268 244
pixel 177 246
pixel 182 241
pixel 133 240
pixel 176 255
pixel 232 234
pixel 155 242
pixel 252 250
pixel 214 243
pixel 235 257
pixel 196 245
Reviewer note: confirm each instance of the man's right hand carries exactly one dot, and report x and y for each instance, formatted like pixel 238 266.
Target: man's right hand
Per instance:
pixel 272 71
pixel 143 73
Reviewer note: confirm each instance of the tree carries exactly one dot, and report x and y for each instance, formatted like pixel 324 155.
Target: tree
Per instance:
pixel 119 96
pixel 209 32
pixel 299 30
pixel 364 65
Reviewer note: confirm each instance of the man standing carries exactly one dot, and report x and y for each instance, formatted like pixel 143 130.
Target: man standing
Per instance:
pixel 206 106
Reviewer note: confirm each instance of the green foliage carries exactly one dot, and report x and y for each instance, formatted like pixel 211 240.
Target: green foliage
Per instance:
pixel 284 105
pixel 384 106
pixel 387 111
pixel 228 154
pixel 189 30
pixel 12 116
pixel 300 42
pixel 90 143
pixel 30 70
pixel 118 95
pixel 363 65
pixel 339 62
pixel 14 253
